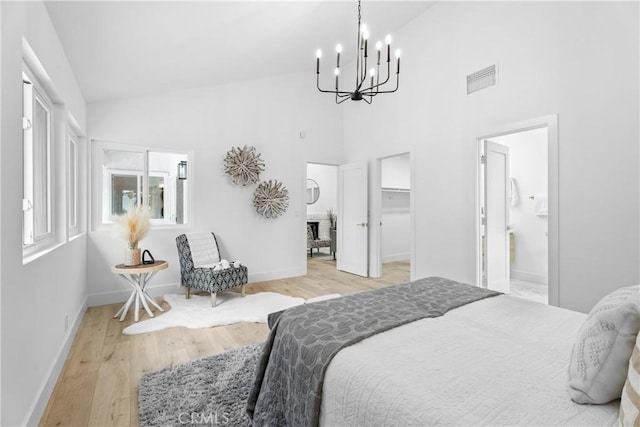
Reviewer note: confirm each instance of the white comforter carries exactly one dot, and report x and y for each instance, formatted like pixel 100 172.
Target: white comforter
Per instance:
pixel 499 361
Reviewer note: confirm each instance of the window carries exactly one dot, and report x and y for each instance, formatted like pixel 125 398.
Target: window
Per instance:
pixel 37 135
pixel 132 176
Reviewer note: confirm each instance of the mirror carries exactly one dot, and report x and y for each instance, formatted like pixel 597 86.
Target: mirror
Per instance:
pixel 313 191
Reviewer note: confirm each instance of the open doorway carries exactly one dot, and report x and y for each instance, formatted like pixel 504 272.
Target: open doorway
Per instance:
pixel 514 210
pixel 321 195
pixel 395 215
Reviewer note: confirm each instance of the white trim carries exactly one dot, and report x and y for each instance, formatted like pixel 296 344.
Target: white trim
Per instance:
pixel 73 193
pixel 278 274
pixel 397 257
pixel 375 227
pixel 113 297
pixel 36 410
pixel 96 178
pixel 551 123
pixel 412 213
pixel 375 231
pixel 527 276
pixel 28 257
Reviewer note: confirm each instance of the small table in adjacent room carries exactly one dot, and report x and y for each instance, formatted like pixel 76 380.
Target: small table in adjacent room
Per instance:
pixel 138 277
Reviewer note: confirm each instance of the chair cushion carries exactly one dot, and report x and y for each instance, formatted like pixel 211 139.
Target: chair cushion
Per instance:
pixel 324 243
pixel 210 280
pixel 600 356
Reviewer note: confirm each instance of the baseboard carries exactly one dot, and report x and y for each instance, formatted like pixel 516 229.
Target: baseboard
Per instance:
pixel 113 297
pixel 529 277
pixel 40 404
pixel 396 257
pixel 278 274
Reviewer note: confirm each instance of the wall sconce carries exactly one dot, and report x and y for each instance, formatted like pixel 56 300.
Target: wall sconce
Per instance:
pixel 182 170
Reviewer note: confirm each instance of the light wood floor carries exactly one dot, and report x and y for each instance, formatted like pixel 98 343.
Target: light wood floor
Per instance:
pixel 99 382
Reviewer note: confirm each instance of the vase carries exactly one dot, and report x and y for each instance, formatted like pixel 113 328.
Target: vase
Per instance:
pixel 132 256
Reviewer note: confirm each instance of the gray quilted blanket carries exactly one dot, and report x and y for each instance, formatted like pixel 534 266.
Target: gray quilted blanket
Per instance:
pixel 287 390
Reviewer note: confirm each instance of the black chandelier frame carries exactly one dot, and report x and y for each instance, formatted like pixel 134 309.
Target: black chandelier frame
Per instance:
pixel 362 93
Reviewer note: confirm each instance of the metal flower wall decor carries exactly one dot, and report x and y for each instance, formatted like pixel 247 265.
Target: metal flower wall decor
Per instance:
pixel 271 199
pixel 243 165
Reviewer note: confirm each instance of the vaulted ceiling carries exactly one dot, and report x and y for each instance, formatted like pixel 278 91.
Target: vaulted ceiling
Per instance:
pixel 127 48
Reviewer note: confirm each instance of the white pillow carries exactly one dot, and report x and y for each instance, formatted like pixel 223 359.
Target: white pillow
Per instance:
pixel 600 356
pixel 204 249
pixel 630 400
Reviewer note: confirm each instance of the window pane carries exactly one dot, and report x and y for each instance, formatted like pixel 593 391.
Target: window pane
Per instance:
pixel 124 193
pixel 167 193
pixel 122 181
pixel 156 197
pixel 41 169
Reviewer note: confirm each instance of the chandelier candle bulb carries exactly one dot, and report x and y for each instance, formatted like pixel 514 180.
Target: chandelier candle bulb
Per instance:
pixel 318 56
pixel 338 50
pixel 388 41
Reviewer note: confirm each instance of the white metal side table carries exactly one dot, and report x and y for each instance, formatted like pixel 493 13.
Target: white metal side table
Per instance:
pixel 138 277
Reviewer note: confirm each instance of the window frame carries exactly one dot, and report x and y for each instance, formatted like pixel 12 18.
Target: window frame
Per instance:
pixel 99 175
pixel 73 223
pixel 32 241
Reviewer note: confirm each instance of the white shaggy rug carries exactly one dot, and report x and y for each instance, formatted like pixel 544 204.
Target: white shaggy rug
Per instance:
pixel 230 308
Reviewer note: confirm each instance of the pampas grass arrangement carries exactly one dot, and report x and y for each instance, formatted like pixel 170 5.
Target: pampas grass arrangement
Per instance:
pixel 133 225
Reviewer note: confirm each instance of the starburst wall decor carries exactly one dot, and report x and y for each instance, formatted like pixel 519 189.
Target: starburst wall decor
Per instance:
pixel 243 165
pixel 271 199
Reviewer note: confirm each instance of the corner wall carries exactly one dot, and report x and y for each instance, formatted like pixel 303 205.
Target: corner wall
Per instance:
pixel 37 296
pixel 268 114
pixel 579 60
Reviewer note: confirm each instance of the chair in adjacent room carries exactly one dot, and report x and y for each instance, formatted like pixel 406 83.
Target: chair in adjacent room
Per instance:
pixel 312 242
pixel 201 269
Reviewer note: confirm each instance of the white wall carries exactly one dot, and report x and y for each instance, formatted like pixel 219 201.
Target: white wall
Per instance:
pixel 327 178
pixel 269 114
pixel 37 296
pixel 395 236
pixel 576 59
pixel 528 166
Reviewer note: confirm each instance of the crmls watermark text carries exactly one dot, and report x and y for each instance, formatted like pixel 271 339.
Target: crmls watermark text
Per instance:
pixel 211 418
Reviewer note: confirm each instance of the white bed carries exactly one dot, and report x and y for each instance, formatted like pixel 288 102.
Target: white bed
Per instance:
pixel 499 361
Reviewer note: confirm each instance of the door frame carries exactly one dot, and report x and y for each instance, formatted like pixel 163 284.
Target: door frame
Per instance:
pixel 495 147
pixel 551 123
pixel 304 206
pixel 375 220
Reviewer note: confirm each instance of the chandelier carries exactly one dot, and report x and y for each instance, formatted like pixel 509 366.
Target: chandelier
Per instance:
pixel 364 91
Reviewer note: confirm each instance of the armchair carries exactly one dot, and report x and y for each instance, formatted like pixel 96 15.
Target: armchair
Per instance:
pixel 312 242
pixel 205 277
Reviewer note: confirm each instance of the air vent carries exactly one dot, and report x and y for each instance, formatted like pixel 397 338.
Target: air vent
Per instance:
pixel 481 79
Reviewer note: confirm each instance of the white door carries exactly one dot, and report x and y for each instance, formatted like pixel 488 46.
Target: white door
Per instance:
pixel 352 229
pixel 496 210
